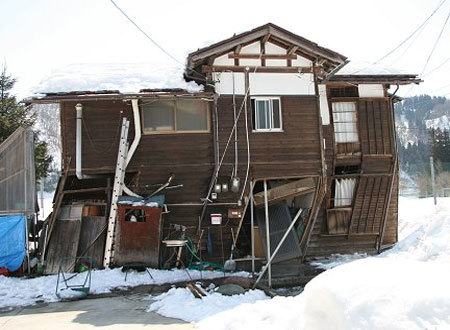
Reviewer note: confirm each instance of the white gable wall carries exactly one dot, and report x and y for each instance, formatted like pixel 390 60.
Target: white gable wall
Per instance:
pixel 264 83
pixel 370 90
pixel 323 103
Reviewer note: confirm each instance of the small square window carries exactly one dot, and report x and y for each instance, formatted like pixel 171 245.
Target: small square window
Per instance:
pixel 266 114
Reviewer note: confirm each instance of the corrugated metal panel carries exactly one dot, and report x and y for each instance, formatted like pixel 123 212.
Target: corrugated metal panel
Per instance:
pixel 17 184
pixel 280 219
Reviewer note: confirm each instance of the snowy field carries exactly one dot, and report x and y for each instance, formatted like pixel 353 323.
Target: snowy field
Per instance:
pixel 403 288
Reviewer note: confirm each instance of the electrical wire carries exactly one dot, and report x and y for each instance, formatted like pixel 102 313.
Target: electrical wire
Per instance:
pixel 405 40
pixel 436 68
pixel 203 77
pixel 435 44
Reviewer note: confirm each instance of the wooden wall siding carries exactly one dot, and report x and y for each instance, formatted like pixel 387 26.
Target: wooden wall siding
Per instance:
pixel 369 204
pixel 375 126
pixel 391 231
pixel 293 152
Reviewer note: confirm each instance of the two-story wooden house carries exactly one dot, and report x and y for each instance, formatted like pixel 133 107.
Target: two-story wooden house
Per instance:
pixel 277 147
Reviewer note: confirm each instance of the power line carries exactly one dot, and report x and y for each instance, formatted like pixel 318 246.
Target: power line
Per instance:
pixel 407 38
pixel 155 43
pixel 413 33
pixel 435 44
pixel 436 68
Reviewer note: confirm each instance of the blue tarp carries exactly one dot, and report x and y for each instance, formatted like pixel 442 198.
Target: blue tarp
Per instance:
pixel 12 241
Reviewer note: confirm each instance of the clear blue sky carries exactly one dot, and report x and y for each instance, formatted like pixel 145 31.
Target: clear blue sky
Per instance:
pixel 37 37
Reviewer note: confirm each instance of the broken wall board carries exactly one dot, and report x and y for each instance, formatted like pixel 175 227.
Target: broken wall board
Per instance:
pixel 92 239
pixel 288 190
pixel 279 221
pixel 63 246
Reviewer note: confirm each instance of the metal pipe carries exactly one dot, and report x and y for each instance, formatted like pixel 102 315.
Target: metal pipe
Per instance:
pixel 278 247
pixel 79 116
pixel 235 171
pixel 137 131
pixel 266 211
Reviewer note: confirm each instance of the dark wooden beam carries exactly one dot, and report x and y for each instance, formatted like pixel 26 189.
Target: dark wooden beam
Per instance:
pixel 263 56
pixel 274 69
pixel 292 50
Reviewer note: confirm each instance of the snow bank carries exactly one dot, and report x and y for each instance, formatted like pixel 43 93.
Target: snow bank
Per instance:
pixel 180 303
pixel 125 77
pixel 21 292
pixel 403 288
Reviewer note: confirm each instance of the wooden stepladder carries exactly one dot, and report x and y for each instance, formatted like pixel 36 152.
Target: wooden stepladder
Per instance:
pixel 117 191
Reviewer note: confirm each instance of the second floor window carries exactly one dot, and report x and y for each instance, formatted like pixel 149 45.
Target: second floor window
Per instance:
pixel 266 114
pixel 345 122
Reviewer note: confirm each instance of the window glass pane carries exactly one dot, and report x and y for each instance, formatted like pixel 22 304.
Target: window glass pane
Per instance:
pixel 276 114
pixel 158 116
pixel 262 113
pixel 192 115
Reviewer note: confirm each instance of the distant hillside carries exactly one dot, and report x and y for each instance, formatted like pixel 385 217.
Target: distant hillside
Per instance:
pixel 416 114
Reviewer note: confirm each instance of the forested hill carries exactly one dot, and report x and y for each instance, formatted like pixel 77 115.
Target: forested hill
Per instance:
pixel 422 123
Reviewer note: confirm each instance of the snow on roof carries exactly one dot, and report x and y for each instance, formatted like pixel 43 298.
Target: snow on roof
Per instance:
pixel 125 77
pixel 366 68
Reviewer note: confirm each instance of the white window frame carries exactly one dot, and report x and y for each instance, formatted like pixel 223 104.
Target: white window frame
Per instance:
pixel 271 128
pixel 350 133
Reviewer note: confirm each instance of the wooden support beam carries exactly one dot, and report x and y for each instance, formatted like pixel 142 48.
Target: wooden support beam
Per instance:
pixel 291 189
pixel 259 69
pixel 265 38
pixel 263 56
pixel 292 50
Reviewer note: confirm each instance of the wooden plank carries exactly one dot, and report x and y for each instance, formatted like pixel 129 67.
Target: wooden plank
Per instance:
pixel 263 56
pixel 259 69
pixel 63 246
pixel 291 189
pixel 92 239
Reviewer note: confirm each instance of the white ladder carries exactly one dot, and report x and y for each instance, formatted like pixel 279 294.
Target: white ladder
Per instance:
pixel 117 191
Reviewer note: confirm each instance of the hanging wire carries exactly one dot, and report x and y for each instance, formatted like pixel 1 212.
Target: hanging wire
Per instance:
pixel 201 76
pixel 405 40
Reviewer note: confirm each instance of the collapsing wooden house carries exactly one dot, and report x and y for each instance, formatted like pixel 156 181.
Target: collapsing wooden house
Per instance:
pixel 280 157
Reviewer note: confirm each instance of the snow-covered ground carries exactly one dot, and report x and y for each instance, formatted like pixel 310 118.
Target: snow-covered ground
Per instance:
pixel 21 292
pixel 403 288
pixel 406 287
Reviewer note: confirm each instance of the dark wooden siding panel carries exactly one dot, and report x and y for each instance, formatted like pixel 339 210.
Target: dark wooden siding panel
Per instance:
pixel 391 231
pixel 101 132
pixel 375 123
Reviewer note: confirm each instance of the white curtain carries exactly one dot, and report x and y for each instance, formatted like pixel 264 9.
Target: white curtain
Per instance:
pixel 343 192
pixel 345 122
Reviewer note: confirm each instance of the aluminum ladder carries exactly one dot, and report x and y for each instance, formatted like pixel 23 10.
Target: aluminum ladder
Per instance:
pixel 117 191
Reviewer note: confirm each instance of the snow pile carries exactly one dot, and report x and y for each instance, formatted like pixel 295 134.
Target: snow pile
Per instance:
pixel 125 77
pixel 21 291
pixel 366 68
pixel 403 288
pixel 180 303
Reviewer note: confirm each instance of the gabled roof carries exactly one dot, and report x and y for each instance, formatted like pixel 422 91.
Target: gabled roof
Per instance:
pixel 280 35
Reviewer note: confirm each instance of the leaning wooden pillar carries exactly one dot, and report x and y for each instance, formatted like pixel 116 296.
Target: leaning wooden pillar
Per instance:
pixel 266 209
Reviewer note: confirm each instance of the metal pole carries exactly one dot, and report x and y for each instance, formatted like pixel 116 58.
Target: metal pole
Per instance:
pixel 433 183
pixel 297 216
pixel 252 225
pixel 266 209
pixel 41 186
